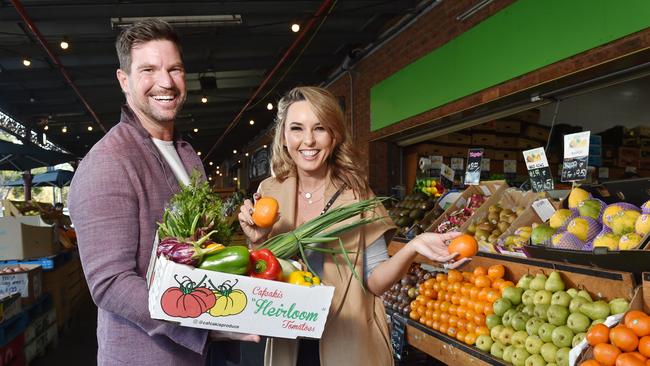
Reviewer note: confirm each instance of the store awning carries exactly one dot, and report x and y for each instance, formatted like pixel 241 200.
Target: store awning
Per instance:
pixel 25 157
pixel 55 178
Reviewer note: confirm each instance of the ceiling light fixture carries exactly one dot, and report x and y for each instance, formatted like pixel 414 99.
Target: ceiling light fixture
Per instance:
pixel 64 43
pixel 265 146
pixel 204 99
pixel 90 128
pixel 269 106
pixel 198 153
pixel 210 163
pixel 235 178
pixel 234 151
pixel 46 127
pixel 184 21
pixel 196 130
pixel 27 62
pixel 238 161
pixel 295 27
pixel 209 178
pixel 64 129
pixel 251 122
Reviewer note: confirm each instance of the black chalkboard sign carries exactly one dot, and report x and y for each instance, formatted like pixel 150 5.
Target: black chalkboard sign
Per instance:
pixel 473 171
pixel 541 179
pixel 398 335
pixel 574 169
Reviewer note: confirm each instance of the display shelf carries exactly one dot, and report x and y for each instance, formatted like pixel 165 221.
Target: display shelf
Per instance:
pixel 446 349
pixel 610 283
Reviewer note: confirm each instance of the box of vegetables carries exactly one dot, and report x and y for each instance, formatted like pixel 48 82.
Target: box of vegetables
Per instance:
pixel 197 280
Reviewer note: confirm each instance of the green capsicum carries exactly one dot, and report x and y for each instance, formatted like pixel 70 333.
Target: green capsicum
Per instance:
pixel 234 260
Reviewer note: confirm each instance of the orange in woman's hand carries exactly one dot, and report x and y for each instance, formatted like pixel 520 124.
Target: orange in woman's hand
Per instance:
pixel 265 212
pixel 465 245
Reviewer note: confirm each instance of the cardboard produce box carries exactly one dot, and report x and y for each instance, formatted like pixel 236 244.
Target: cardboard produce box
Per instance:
pixel 28 283
pixel 243 304
pixel 492 190
pixel 66 285
pixel 26 237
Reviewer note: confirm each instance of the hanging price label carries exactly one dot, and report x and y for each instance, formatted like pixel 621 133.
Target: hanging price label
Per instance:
pixel 576 156
pixel 538 170
pixel 447 174
pixel 544 209
pixel 457 163
pixel 510 166
pixel 436 164
pixel 473 172
pixel 398 335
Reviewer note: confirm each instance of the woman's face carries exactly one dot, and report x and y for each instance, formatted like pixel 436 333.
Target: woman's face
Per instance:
pixel 309 144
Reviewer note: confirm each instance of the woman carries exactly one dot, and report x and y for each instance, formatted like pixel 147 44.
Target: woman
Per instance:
pixel 316 167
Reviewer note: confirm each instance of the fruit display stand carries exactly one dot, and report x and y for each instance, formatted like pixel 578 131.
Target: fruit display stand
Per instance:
pixel 491 190
pixel 491 221
pixel 599 283
pixel 636 192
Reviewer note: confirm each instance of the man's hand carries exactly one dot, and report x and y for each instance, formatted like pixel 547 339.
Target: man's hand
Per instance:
pixel 217 335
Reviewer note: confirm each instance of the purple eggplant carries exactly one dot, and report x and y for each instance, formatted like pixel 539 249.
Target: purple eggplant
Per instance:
pixel 182 252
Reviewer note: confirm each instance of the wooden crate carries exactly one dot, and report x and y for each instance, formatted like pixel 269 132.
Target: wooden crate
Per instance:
pixel 483 140
pixel 507 126
pixel 455 139
pixel 536 132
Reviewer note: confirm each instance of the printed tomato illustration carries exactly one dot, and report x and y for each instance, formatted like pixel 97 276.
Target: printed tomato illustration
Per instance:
pixel 229 301
pixel 189 300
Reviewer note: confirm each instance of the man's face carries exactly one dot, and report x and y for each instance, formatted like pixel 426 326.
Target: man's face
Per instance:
pixel 155 87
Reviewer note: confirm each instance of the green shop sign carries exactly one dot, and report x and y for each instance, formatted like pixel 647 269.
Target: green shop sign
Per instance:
pixel 525 36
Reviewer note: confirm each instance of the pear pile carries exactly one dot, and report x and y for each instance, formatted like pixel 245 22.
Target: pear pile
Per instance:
pixel 488 230
pixel 536 322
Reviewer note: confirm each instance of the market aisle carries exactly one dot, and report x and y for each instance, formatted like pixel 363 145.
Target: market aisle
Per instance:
pixel 77 344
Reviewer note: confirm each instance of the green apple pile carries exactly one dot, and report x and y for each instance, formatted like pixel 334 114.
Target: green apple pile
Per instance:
pixel 537 322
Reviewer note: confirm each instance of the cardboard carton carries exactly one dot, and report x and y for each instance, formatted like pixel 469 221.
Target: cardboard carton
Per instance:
pixel 28 283
pixel 492 190
pixel 244 305
pixel 26 237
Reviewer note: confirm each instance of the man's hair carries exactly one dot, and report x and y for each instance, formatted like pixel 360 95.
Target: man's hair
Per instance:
pixel 142 32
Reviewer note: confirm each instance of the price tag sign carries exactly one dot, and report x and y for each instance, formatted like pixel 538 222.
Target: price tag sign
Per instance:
pixel 473 172
pixel 398 335
pixel 603 172
pixel 457 163
pixel 485 169
pixel 544 209
pixel 436 164
pixel 447 176
pixel 510 166
pixel 576 156
pixel 538 170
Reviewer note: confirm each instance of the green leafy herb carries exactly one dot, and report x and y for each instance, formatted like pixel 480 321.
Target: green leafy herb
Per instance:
pixel 194 212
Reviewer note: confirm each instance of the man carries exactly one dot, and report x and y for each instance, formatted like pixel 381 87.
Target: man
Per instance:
pixel 118 195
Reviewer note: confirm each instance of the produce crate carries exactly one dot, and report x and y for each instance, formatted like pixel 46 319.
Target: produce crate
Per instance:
pixel 640 301
pixel 255 306
pixel 536 132
pixel 10 306
pixel 599 283
pixel 635 191
pixel 510 199
pixel 455 138
pixel 38 345
pixel 67 287
pixel 12 352
pixel 13 327
pixel 484 139
pixel 28 282
pixel 490 189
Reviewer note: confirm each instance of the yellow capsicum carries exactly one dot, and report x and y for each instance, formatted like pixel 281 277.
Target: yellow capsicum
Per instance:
pixel 303 278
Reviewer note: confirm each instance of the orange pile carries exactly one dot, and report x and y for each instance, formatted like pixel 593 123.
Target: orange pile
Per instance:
pixel 626 344
pixel 457 303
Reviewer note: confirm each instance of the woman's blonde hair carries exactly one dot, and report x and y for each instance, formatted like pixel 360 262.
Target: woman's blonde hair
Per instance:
pixel 344 159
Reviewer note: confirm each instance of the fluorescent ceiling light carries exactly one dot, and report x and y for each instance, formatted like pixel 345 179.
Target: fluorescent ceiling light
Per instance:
pixel 184 21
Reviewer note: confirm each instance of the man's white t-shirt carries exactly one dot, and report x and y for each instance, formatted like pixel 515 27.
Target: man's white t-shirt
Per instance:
pixel 170 154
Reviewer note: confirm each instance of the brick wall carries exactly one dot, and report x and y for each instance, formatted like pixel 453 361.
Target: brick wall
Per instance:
pixel 429 32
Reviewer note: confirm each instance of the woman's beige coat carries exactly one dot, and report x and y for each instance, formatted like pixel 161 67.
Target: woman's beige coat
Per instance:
pixel 356 332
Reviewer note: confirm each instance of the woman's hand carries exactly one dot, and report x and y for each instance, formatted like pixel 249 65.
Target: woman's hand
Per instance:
pixel 255 233
pixel 434 247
